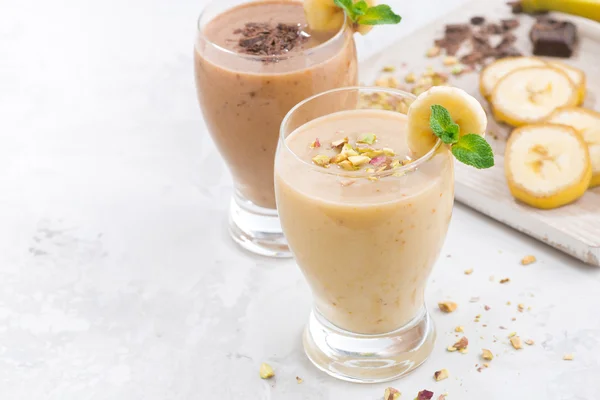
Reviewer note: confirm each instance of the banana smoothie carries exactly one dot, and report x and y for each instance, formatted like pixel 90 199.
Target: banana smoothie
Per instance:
pixel 253 63
pixel 366 241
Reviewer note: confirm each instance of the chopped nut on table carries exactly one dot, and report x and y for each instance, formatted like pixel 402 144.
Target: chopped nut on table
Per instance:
pixel 391 394
pixel 266 371
pixel 462 344
pixel 424 395
pixel 529 342
pixel 528 260
pixel 505 280
pixel 447 306
pixel 568 357
pixel 487 355
pixel 299 380
pixel 441 375
pixel 459 329
pixel 516 342
pixel 468 271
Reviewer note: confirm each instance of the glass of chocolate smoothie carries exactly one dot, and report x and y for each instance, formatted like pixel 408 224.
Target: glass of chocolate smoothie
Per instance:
pixel 255 60
pixel 366 218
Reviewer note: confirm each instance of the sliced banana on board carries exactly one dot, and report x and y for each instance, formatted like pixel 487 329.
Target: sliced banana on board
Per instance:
pixel 587 123
pixel 547 165
pixel 577 76
pixel 490 75
pixel 465 110
pixel 530 95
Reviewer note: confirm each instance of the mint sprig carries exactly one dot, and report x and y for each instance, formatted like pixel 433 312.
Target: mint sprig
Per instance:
pixel 360 13
pixel 470 149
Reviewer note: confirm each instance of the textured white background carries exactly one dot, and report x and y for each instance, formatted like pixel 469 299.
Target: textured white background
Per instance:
pixel 118 280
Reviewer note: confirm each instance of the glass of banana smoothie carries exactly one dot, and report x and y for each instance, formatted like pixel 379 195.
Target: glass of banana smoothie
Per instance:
pixel 365 218
pixel 254 60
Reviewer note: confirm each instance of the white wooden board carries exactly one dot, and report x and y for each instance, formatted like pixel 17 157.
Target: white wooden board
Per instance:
pixel 575 228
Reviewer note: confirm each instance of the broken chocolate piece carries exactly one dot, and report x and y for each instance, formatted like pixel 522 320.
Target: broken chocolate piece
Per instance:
pixel 553 38
pixel 268 39
pixel 509 24
pixel 477 20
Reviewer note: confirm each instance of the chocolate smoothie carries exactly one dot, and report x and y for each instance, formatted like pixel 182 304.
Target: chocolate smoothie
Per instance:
pixel 253 63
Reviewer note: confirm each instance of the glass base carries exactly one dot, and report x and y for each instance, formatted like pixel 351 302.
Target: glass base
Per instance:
pixel 368 358
pixel 257 229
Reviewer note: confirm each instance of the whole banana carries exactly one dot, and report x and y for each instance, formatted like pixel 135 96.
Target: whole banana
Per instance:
pixel 584 8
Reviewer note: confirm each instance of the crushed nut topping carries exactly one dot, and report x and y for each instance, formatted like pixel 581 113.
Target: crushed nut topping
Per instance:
pixel 468 271
pixel 568 357
pixel 447 306
pixel 316 144
pixel 529 342
pixel 299 380
pixel 391 394
pixel 440 375
pixel 266 371
pixel 459 329
pixel 505 280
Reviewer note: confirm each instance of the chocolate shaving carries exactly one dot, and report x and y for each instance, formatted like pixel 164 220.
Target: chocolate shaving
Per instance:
pixel 268 39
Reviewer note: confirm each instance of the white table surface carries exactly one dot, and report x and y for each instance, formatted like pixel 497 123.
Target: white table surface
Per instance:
pixel 118 279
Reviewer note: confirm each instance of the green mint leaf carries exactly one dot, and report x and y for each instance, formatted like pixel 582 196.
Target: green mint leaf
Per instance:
pixel 473 150
pixel 442 125
pixel 378 15
pixel 348 6
pixel 360 8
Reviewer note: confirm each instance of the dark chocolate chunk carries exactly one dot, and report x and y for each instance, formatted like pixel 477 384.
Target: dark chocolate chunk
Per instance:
pixel 553 38
pixel 509 24
pixel 477 20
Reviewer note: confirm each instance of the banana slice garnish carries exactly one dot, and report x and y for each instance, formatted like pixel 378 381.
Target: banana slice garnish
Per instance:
pixel 491 74
pixel 325 16
pixel 547 165
pixel 466 111
pixel 529 95
pixel 587 123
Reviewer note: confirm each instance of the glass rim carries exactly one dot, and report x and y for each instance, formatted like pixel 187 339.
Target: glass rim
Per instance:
pixel 278 57
pixel 357 174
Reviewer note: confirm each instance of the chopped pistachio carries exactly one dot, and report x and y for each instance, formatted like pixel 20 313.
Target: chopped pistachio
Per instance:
pixel 529 342
pixel 338 158
pixel 347 165
pixel 487 355
pixel 450 60
pixel 321 160
pixel 391 394
pixel 373 153
pixel 459 329
pixel 410 78
pixel 339 143
pixel 349 150
pixel 266 371
pixel 528 260
pixel 516 342
pixel 462 343
pixel 388 152
pixel 358 160
pixel 447 306
pixel 368 138
pixel 316 144
pixel 520 307
pixel 458 69
pixel 299 380
pixel 451 348
pixel 388 68
pixel 463 351
pixel 468 271
pixel 440 375
pixel 505 280
pixel 568 357
pixel 512 334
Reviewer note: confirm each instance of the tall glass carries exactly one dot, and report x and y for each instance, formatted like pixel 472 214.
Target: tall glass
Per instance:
pixel 365 240
pixel 244 98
